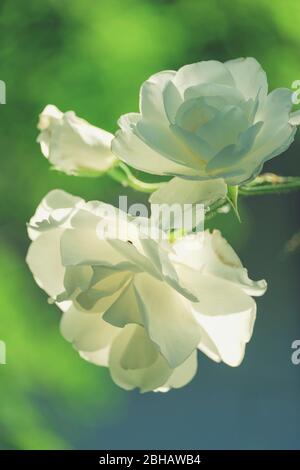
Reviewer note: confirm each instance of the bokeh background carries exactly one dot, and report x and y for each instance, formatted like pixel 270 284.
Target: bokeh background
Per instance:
pixel 91 57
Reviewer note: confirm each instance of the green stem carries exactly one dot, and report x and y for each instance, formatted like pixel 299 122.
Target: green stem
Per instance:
pixel 123 175
pixel 219 207
pixel 269 183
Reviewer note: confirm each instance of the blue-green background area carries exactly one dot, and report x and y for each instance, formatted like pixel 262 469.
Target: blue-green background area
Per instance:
pixel 91 57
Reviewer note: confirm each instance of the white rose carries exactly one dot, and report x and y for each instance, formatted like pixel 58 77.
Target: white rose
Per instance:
pixel 140 306
pixel 206 121
pixel 72 145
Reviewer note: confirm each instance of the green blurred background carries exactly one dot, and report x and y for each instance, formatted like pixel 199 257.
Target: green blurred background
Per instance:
pixel 91 57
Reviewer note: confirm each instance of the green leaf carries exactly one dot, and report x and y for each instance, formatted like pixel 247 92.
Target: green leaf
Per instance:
pixel 232 197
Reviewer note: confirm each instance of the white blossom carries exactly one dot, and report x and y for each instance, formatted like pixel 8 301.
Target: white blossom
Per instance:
pixel 72 145
pixel 140 306
pixel 207 122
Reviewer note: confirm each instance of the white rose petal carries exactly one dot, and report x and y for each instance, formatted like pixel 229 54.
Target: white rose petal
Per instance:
pixel 43 258
pixel 295 118
pixel 180 191
pixel 167 318
pixel 87 332
pixel 152 372
pixel 72 145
